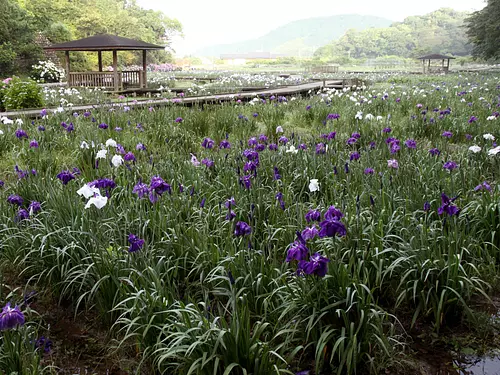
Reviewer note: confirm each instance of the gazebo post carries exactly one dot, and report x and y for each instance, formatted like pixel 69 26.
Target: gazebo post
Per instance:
pixel 99 59
pixel 144 70
pixel 423 64
pixel 115 71
pixel 67 68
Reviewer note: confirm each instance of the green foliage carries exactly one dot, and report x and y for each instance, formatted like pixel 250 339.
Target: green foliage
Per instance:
pixel 483 30
pixel 61 20
pixel 441 31
pixel 17 35
pixel 22 94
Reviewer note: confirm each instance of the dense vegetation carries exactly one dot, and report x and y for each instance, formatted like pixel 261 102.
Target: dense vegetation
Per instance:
pixel 442 31
pixel 269 237
pixel 484 31
pixel 63 20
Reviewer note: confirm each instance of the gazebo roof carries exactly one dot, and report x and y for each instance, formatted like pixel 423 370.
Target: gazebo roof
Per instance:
pixel 104 42
pixel 435 56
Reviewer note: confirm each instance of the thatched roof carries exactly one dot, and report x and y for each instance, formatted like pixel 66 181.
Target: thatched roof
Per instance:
pixel 103 42
pixel 435 56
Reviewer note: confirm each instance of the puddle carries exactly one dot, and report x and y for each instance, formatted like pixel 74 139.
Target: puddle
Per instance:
pixel 472 365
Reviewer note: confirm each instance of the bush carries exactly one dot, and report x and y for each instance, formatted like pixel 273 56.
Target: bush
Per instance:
pixel 47 72
pixel 22 94
pixel 7 58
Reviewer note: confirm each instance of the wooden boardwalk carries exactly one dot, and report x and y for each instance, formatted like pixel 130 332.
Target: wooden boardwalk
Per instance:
pixel 192 100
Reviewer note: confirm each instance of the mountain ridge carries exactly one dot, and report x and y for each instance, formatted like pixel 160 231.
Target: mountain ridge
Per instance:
pixel 299 38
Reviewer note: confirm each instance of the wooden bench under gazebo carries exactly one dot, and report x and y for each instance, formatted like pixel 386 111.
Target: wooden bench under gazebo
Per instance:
pixel 115 80
pixel 441 68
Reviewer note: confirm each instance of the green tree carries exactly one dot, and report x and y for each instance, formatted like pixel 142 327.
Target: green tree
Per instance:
pixel 483 30
pixel 17 47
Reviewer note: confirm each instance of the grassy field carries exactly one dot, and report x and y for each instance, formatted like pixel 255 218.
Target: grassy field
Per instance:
pixel 311 235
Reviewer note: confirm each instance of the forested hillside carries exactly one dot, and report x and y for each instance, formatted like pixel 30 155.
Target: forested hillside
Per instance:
pixel 442 31
pixel 22 22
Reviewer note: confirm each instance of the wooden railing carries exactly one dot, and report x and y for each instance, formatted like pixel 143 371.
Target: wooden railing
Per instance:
pixel 126 79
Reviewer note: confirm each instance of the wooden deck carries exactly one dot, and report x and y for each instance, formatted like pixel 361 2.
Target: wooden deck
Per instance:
pixel 194 100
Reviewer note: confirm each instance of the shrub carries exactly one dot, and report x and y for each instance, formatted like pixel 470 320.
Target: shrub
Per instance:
pixel 47 72
pixel 22 94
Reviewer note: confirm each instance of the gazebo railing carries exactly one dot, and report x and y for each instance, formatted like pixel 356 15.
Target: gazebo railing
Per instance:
pixel 133 78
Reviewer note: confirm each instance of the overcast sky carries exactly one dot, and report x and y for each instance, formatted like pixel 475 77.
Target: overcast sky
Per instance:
pixel 208 22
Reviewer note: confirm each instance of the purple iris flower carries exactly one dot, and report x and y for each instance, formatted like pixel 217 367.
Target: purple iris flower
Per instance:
pixel 331 135
pixel 356 135
pixel 34 207
pixel 447 134
pixel 22 214
pixel 333 116
pixel 246 181
pixel 208 143
pixel 141 189
pixel 283 140
pixel 386 130
pixel 468 137
pixel 447 206
pixel 129 156
pixel 208 163
pixel 483 186
pixel 103 183
pixel 427 206
pixel 260 147
pixel 135 242
pixel 434 152
pixel 354 156
pixel 273 147
pixel 159 186
pixel 65 177
pixel 351 141
pixel 302 146
pixel 242 229
pixel 140 147
pixel 330 228
pixel 450 165
pixel 230 203
pixel 472 119
pixel 20 133
pixel 41 128
pixel 43 344
pixel 34 144
pixel 333 213
pixel 369 171
pixel 249 166
pixel 11 317
pixel 313 215
pixel 263 138
pixel 308 108
pixel 317 265
pixel 277 175
pixel 103 125
pixel 230 215
pixel 310 233
pixel 252 141
pixel 251 155
pixel 411 143
pixel 202 204
pixel 179 120
pixel 320 148
pixel 224 144
pixel 43 112
pixel 297 251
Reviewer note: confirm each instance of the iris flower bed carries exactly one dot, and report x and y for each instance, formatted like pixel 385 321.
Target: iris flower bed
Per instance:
pixel 285 235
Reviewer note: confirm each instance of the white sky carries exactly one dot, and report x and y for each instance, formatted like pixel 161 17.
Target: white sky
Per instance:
pixel 208 22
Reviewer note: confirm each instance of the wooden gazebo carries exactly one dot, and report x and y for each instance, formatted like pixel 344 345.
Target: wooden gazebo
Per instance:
pixel 115 80
pixel 441 68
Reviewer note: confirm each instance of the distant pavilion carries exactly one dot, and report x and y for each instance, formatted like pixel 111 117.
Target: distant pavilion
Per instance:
pixel 436 68
pixel 115 80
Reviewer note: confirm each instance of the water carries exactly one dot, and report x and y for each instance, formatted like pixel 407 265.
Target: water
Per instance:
pixel 472 365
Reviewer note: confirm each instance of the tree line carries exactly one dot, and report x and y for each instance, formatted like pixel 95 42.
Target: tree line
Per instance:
pixel 26 24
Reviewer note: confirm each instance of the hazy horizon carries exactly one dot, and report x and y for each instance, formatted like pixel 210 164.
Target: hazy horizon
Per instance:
pixel 205 24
